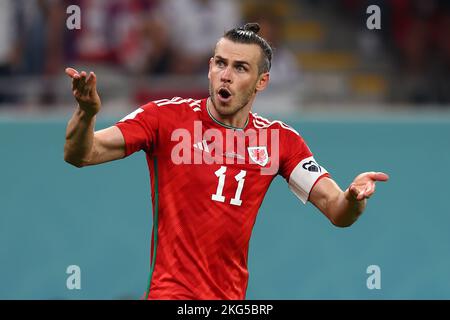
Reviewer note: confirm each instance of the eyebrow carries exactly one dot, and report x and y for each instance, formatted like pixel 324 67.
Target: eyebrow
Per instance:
pixel 236 62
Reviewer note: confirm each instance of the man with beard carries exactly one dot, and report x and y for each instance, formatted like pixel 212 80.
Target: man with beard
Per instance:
pixel 211 162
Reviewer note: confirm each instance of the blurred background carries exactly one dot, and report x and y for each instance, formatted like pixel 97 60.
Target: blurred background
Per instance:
pixel 363 99
pixel 325 56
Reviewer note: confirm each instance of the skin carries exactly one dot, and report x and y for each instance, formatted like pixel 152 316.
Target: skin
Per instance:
pixel 83 146
pixel 234 66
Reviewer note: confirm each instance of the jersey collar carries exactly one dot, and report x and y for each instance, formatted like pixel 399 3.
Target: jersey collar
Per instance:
pixel 223 124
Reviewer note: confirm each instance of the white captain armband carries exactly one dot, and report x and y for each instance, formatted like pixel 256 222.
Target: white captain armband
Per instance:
pixel 303 177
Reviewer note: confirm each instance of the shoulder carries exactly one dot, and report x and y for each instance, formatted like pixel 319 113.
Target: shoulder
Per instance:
pixel 260 122
pixel 178 103
pixel 290 140
pixel 165 110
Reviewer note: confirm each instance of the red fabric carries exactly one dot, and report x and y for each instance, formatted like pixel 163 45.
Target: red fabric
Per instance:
pixel 203 243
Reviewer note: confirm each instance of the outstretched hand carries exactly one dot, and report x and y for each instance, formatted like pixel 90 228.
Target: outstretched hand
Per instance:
pixel 363 187
pixel 84 89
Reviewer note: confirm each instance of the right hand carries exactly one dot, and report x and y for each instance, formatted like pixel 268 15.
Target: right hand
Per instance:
pixel 84 89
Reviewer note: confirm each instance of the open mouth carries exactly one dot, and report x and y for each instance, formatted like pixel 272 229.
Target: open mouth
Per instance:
pixel 224 93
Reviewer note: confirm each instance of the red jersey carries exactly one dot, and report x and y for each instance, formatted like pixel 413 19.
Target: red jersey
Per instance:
pixel 208 181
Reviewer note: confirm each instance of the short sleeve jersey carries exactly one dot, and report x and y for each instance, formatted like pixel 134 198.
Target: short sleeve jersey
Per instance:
pixel 208 181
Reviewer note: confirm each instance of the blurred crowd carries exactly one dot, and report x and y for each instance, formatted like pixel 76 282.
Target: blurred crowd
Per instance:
pixel 140 36
pixel 416 34
pixel 176 37
pixel 135 37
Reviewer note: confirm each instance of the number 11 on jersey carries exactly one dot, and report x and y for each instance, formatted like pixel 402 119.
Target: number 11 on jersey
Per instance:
pixel 218 196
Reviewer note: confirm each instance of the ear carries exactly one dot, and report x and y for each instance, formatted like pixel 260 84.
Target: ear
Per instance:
pixel 211 60
pixel 263 81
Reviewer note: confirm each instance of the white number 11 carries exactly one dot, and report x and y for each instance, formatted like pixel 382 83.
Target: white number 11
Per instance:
pixel 236 201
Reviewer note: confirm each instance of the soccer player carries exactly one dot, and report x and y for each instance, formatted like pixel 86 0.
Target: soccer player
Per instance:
pixel 211 162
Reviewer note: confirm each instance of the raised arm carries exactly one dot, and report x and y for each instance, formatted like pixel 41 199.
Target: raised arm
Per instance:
pixel 343 208
pixel 84 146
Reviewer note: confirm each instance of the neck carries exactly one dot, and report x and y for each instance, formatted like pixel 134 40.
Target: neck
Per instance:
pixel 237 120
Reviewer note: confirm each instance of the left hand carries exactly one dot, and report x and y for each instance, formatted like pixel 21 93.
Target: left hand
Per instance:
pixel 363 187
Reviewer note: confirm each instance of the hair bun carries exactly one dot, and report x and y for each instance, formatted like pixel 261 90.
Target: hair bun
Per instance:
pixel 253 26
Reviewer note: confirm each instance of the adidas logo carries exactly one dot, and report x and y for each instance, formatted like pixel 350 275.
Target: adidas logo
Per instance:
pixel 203 145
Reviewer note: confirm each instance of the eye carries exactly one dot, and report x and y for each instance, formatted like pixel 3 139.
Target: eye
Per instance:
pixel 220 63
pixel 241 68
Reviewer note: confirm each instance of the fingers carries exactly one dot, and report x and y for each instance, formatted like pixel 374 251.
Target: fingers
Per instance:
pixel 85 83
pixel 363 187
pixel 379 176
pixel 71 72
pixel 369 191
pixel 362 193
pixel 81 81
pixel 91 80
pixel 354 191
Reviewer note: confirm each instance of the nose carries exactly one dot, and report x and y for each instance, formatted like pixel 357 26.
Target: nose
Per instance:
pixel 226 75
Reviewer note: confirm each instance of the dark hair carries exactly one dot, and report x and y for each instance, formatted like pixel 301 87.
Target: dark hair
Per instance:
pixel 249 34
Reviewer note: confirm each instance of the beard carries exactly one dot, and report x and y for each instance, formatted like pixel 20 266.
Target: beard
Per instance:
pixel 239 101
